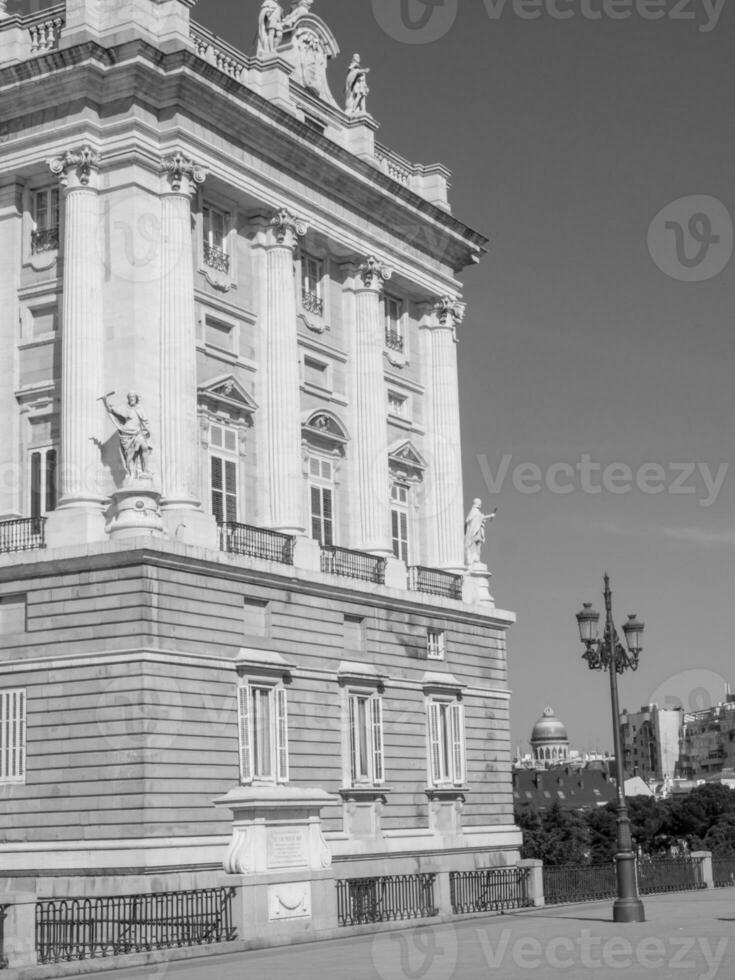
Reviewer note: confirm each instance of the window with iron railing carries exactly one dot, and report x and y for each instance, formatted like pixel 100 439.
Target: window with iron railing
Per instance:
pixel 394 328
pixel 215 227
pixel 312 290
pixel 45 216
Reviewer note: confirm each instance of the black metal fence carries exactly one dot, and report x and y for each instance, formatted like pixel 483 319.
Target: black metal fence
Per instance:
pixel 579 883
pixel 387 899
pixel 82 928
pixel 25 534
pixel 489 890
pixel 256 542
pixel 433 581
pixel 3 958
pixel 353 564
pixel 657 875
pixel 723 872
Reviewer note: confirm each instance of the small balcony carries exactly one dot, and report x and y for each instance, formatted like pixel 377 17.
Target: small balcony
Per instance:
pixel 433 581
pixel 312 302
pixel 256 542
pixel 353 564
pixel 44 240
pixel 216 258
pixel 394 341
pixel 25 534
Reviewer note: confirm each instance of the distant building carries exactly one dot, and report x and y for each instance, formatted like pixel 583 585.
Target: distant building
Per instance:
pixel 572 787
pixel 650 741
pixel 549 739
pixel 707 744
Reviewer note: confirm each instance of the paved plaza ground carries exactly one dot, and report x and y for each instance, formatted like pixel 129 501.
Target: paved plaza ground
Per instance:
pixel 687 936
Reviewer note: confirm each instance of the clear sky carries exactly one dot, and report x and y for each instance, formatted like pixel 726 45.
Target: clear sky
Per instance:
pixel 566 139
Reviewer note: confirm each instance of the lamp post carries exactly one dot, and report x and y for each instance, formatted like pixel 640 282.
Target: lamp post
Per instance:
pixel 609 654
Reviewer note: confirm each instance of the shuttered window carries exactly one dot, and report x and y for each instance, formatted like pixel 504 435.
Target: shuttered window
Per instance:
pixel 42 481
pixel 263 730
pixel 13 736
pixel 223 464
pixel 366 739
pixel 445 724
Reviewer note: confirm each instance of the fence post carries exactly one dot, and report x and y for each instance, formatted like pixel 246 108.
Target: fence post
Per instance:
pixel 705 867
pixel 442 893
pixel 535 881
pixel 19 938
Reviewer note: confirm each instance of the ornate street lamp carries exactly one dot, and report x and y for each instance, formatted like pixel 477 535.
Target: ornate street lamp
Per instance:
pixel 609 654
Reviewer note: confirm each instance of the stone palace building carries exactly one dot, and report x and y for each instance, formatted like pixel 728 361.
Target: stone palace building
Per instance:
pixel 233 580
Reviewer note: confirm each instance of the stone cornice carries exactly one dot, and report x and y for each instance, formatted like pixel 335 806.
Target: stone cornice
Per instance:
pixel 200 88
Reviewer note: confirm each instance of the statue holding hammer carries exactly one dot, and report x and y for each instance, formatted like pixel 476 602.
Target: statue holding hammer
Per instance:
pixel 134 432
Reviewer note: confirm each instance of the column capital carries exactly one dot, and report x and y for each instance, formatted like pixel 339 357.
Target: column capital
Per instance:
pixel 182 173
pixel 449 311
pixel 76 168
pixel 286 228
pixel 374 273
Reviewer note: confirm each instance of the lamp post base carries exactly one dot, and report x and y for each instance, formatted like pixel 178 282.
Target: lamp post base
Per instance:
pixel 628 910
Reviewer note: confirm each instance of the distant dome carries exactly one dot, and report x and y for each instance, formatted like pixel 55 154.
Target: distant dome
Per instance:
pixel 549 729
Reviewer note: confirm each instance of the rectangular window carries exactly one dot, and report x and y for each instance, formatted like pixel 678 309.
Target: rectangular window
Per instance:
pixel 263 727
pixel 397 405
pixel 366 738
pixel 445 723
pixel 321 500
pixel 42 481
pixel 219 334
pixel 354 632
pixel 394 334
pixel 13 736
pixel 399 521
pixel 214 238
pixel 13 614
pixel 435 644
pixel 223 469
pixel 45 217
pixel 316 373
pixel 312 293
pixel 255 617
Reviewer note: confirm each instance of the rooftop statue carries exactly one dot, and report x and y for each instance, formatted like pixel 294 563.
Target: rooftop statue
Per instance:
pixel 298 9
pixel 356 88
pixel 474 532
pixel 134 433
pixel 270 28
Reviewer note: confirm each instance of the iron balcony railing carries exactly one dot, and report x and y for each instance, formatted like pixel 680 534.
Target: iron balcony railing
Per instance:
pixel 723 872
pixel 433 581
pixel 387 899
pixel 394 341
pixel 24 534
pixel 3 957
pixel 216 258
pixel 312 303
pixel 491 890
pixel 353 564
pixel 256 542
pixel 44 240
pixel 84 928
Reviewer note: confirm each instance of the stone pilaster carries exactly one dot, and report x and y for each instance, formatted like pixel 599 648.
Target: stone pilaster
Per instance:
pixel 444 509
pixel 79 517
pixel 371 435
pixel 280 390
pixel 181 508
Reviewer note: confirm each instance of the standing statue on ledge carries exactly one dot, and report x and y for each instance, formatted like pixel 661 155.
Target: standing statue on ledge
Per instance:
pixel 134 432
pixel 298 9
pixel 270 28
pixel 474 532
pixel 356 88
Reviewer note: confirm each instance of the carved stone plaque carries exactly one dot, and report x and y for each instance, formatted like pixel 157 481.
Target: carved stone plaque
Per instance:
pixel 292 901
pixel 287 847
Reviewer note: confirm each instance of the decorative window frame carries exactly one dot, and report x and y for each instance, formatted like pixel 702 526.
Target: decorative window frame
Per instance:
pixel 325 390
pixel 398 358
pixel 222 280
pixel 46 259
pixel 323 436
pixel 315 318
pixel 440 648
pixel 362 681
pixel 449 773
pixel 405 418
pixel 212 350
pixel 263 670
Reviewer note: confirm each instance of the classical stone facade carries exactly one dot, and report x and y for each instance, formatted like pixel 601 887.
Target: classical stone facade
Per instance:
pixel 277 617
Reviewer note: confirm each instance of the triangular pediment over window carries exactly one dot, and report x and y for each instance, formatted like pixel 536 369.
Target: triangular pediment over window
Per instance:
pixel 226 393
pixel 405 459
pixel 323 426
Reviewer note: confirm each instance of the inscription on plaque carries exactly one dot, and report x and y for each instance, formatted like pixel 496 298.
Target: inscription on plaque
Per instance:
pixel 286 848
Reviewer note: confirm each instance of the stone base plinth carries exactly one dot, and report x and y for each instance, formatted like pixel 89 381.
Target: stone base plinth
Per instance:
pixel 75 524
pixel 136 511
pixel 189 525
pixel 445 811
pixel 362 812
pixel 476 587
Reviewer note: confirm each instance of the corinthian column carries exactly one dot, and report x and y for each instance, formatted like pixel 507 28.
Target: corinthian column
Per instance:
pixel 79 517
pixel 284 508
pixel 180 506
pixel 371 435
pixel 445 500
